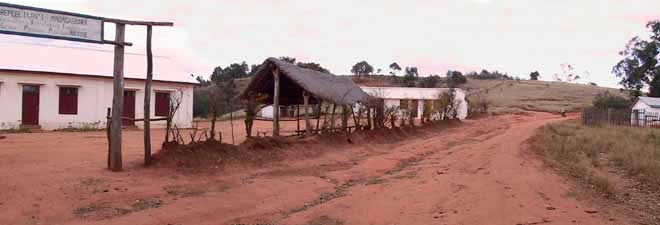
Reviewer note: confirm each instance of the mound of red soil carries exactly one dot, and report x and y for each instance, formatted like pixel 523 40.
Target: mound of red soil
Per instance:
pixel 213 154
pixel 258 151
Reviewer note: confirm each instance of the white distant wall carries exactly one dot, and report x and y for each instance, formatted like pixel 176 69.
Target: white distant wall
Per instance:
pixel 267 112
pixel 94 97
pixel 394 95
pixel 644 110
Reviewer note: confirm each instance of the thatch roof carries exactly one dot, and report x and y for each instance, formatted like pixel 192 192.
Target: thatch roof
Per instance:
pixel 294 79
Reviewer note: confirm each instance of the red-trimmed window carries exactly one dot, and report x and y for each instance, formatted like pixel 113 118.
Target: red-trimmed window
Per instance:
pixel 162 103
pixel 69 100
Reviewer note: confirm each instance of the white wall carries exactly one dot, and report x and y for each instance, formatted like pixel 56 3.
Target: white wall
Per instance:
pixel 94 97
pixel 641 106
pixel 393 96
pixel 267 112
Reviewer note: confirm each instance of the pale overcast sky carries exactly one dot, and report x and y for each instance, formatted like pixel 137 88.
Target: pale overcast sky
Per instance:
pixel 514 36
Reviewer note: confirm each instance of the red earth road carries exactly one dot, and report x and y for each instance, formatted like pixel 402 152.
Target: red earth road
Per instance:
pixel 477 173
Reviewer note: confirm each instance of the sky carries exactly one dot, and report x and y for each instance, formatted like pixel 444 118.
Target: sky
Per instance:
pixel 513 36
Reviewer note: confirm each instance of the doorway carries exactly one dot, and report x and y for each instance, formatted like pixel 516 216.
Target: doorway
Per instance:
pixel 30 114
pixel 128 114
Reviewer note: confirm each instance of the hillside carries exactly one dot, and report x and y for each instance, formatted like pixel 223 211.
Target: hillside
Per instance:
pixel 548 96
pixel 507 96
pixel 510 96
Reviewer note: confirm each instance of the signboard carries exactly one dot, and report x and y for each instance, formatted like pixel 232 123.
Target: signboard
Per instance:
pixel 45 23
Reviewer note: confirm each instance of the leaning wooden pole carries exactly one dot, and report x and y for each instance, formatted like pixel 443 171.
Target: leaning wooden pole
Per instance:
pixel 117 100
pixel 147 101
pixel 276 103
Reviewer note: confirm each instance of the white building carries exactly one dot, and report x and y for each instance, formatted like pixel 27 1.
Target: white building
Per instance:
pixel 646 111
pixel 38 90
pixel 395 96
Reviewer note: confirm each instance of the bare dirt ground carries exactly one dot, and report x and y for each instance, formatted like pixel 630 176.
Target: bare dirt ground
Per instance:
pixel 479 172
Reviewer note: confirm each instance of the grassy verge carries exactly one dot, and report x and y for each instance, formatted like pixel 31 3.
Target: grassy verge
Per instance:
pixel 578 150
pixel 619 163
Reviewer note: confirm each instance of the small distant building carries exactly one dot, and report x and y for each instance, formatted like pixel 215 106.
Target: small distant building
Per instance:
pixel 646 111
pixel 411 97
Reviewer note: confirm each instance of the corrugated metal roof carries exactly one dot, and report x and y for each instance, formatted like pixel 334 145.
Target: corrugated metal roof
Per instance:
pixel 653 102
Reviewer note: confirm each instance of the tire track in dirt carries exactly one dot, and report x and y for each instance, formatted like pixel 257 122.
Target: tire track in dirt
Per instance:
pixel 342 189
pixel 481 180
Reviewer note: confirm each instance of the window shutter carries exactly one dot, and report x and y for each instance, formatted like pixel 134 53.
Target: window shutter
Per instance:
pixel 68 104
pixel 162 103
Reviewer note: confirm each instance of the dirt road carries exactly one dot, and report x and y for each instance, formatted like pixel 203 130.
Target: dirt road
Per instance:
pixel 477 173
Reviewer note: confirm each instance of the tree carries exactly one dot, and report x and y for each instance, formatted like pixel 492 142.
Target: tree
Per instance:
pixel 455 78
pixel 534 75
pixel 313 66
pixel 307 65
pixel 410 77
pixel 606 100
pixel 253 69
pixel 430 81
pixel 568 74
pixel 639 67
pixel 412 71
pixel 233 71
pixel 201 97
pixel 288 59
pixel 362 68
pixel 447 104
pixel 222 94
pixel 395 68
pixel 486 75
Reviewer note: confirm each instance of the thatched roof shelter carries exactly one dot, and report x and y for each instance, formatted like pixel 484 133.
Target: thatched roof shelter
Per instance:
pixel 294 80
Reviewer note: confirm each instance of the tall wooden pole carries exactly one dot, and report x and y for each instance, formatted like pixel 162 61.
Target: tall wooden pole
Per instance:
pixel 147 101
pixel 276 103
pixel 318 118
pixel 308 125
pixel 117 100
pixel 297 119
pixel 332 118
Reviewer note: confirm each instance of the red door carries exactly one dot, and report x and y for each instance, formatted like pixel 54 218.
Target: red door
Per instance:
pixel 129 108
pixel 30 105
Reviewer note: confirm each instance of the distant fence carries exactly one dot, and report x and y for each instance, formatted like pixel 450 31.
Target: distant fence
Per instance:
pixel 620 117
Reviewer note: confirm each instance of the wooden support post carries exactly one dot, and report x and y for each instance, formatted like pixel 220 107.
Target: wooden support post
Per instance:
pixel 344 118
pixel 276 103
pixel 308 125
pixel 297 119
pixel 356 121
pixel 369 125
pixel 332 118
pixel 117 100
pixel 147 101
pixel 318 118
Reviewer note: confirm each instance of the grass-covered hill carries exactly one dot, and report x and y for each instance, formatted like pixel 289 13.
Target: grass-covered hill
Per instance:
pixel 506 96
pixel 510 96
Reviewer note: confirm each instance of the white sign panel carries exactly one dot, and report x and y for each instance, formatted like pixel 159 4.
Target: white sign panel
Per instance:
pixel 36 22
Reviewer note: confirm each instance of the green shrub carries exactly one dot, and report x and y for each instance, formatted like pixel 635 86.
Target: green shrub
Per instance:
pixel 607 100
